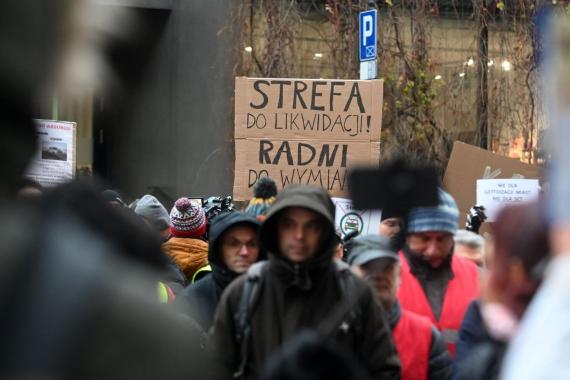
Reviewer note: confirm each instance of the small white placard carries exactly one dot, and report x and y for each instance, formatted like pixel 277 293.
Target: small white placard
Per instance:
pixel 494 194
pixel 347 219
pixel 55 158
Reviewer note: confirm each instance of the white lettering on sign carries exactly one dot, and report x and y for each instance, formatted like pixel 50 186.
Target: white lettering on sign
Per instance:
pixel 368 27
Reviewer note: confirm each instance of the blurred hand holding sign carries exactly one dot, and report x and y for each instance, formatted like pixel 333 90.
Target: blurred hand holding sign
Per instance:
pixel 468 164
pixel 494 194
pixel 305 131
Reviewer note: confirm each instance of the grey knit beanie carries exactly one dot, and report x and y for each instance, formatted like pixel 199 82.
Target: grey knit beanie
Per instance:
pixel 152 210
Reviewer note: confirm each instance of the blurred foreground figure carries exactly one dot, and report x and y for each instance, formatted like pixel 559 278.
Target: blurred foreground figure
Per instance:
pixel 515 273
pixel 540 349
pixel 308 357
pixel 436 283
pixel 300 287
pixel 78 299
pixel 79 296
pixel 421 349
pixel 29 189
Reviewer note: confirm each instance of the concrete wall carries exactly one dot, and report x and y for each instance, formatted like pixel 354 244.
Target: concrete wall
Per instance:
pixel 177 133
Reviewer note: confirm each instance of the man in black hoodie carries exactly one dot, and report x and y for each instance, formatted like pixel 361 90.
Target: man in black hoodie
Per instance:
pixel 301 287
pixel 232 249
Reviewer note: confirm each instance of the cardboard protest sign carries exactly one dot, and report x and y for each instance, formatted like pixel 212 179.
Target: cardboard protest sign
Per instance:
pixel 305 162
pixel 305 131
pixel 366 222
pixel 494 194
pixel 468 163
pixel 55 159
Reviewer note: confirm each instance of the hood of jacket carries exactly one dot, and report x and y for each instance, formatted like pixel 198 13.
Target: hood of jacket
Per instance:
pixel 312 198
pixel 222 223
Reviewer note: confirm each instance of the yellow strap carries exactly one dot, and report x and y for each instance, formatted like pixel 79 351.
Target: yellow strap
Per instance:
pixel 205 268
pixel 162 292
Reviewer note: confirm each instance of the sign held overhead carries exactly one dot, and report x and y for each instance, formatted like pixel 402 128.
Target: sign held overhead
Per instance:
pixel 494 194
pixel 299 131
pixel 469 163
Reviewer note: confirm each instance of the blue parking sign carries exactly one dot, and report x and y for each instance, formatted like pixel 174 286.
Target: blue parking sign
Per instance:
pixel 367 32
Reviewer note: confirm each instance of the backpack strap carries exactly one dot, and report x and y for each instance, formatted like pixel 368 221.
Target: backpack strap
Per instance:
pixel 347 313
pixel 348 288
pixel 242 317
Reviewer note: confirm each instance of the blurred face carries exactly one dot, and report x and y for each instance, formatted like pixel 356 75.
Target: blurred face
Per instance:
pixel 389 227
pixel 470 253
pixel 299 233
pixel 239 248
pixel 384 276
pixel 433 246
pixel 29 193
pixel 339 252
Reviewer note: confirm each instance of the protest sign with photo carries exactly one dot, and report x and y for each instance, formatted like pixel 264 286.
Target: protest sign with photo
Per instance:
pixel 366 222
pixel 305 131
pixel 494 194
pixel 469 163
pixel 54 162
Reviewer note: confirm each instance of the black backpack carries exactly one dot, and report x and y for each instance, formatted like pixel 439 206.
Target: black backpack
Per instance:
pixel 343 317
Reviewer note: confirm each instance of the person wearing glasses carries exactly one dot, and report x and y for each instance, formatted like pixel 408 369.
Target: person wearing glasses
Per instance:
pixel 232 249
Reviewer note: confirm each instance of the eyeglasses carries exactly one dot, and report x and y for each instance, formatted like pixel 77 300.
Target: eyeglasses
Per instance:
pixel 238 245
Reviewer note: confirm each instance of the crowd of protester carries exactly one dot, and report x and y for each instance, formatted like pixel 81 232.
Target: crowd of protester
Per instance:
pixel 95 287
pixel 270 292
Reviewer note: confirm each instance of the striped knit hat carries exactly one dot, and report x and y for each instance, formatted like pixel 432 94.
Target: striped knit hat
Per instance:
pixel 444 217
pixel 187 219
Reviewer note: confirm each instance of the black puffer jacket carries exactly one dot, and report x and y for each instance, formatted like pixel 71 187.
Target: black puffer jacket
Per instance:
pixel 297 296
pixel 202 297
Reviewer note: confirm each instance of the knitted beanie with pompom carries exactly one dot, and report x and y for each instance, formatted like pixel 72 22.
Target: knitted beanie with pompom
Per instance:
pixel 187 219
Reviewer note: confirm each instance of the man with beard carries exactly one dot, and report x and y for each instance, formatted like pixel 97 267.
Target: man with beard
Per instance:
pixel 436 283
pixel 420 346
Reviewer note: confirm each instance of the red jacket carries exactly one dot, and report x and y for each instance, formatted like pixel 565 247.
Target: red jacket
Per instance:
pixel 412 336
pixel 461 290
